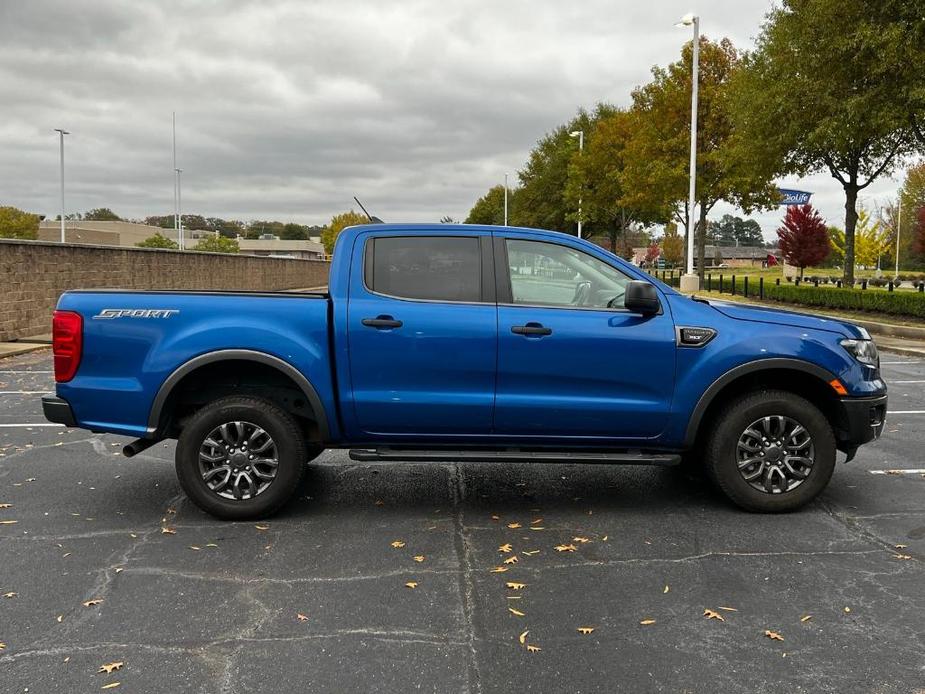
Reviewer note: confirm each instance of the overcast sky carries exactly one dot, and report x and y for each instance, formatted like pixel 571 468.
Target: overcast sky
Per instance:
pixel 286 109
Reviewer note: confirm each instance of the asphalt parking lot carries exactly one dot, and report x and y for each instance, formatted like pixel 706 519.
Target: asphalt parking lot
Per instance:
pixel 103 561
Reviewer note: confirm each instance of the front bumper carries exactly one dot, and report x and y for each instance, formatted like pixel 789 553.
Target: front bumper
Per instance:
pixel 862 420
pixel 58 411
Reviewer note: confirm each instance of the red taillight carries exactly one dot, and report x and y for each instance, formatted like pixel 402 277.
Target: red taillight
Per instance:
pixel 66 343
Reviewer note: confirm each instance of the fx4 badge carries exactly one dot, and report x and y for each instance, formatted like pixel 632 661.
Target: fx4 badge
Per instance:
pixel 108 313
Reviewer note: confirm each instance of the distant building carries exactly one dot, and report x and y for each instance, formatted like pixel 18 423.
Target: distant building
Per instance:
pixel 111 233
pixel 730 256
pixel 278 248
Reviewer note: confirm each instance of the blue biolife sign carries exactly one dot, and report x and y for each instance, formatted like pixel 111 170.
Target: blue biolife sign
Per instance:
pixel 793 197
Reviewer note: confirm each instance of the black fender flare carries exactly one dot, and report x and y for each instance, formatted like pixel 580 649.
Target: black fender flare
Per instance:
pixel 154 417
pixel 693 424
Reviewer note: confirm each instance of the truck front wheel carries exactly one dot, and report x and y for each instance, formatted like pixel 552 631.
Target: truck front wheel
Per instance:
pixel 771 451
pixel 240 458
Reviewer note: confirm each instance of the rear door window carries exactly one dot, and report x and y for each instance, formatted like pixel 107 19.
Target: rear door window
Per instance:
pixel 432 268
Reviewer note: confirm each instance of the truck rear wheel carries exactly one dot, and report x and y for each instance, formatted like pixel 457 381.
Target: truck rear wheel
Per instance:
pixel 240 458
pixel 771 451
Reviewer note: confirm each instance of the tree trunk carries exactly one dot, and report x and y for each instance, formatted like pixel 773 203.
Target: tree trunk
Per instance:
pixel 701 240
pixel 851 222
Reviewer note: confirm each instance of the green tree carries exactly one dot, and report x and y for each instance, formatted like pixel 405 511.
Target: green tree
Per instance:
pixel 338 223
pixel 258 228
pixel 158 241
pixel 543 180
pixel 16 224
pixel 658 155
pixel 672 245
pixel 217 244
pixel 489 209
pixel 162 221
pixel 828 88
pixel 101 214
pixel 837 244
pixel 294 232
pixel 872 239
pixel 732 231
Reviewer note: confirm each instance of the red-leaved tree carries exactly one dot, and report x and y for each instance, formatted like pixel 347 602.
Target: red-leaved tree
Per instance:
pixel 804 239
pixel 653 252
pixel 918 233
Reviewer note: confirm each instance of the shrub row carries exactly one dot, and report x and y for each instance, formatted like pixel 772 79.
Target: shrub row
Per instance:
pixel 892 303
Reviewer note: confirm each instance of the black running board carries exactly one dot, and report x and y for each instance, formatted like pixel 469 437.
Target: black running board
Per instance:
pixel 512 456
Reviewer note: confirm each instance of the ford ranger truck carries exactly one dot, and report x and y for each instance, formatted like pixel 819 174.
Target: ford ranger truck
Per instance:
pixel 466 343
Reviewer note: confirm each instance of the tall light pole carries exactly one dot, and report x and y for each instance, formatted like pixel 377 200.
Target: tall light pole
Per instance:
pixel 899 226
pixel 691 282
pixel 580 134
pixel 505 199
pixel 176 178
pixel 61 134
pixel 179 218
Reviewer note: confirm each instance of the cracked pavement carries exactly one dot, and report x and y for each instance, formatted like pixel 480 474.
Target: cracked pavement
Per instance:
pixel 214 607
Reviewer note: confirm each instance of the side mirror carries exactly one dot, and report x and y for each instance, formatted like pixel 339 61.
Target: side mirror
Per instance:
pixel 641 297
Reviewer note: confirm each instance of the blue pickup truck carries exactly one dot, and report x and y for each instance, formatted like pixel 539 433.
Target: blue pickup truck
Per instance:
pixel 456 342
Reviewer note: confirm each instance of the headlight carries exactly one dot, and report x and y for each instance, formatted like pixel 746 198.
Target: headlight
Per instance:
pixel 865 351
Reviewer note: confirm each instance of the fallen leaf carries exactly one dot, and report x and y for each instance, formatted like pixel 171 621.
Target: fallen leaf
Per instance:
pixel 119 569
pixel 537 528
pixel 728 609
pixel 108 668
pixel 536 521
pixel 11 594
pixel 533 649
pixel 8 522
pixel 647 622
pixel 412 584
pixel 262 527
pixel 514 597
pixel 773 635
pixel 585 630
pixel 111 685
pixel 380 502
pixel 896 546
pixel 566 548
pixel 419 558
pixel 2 646
pixel 902 556
pixel 498 570
pixel 806 618
pixel 211 544
pixel 847 610
pixel 666 589
pixel 91 603
pixel 514 526
pixel 6 505
pixel 516 613
pixel 195 548
pixel 511 559
pixel 494 518
pixel 523 637
pixel 581 540
pixel 505 548
pixel 604 539
pixel 301 617
pixel 398 544
pixel 59 618
pixel 513 585
pixel 710 614
pixel 531 552
pixel 168 531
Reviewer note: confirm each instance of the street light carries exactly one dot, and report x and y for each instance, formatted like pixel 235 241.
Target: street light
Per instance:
pixel 505 199
pixel 62 133
pixel 176 205
pixel 580 134
pixel 691 282
pixel 179 216
pixel 899 226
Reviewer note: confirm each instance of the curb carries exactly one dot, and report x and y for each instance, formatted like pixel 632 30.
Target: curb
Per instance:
pixel 12 349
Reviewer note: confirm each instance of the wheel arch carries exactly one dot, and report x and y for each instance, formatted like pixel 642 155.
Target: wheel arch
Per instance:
pixel 156 416
pixel 778 373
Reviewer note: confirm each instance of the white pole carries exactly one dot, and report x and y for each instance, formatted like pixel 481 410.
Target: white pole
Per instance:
pixel 176 204
pixel 505 199
pixel 179 212
pixel 899 226
pixel 61 133
pixel 695 78
pixel 581 149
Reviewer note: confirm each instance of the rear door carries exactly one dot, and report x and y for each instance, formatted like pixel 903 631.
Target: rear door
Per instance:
pixel 422 334
pixel 572 362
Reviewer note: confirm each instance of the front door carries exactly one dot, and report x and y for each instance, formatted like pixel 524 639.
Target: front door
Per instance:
pixel 572 362
pixel 422 334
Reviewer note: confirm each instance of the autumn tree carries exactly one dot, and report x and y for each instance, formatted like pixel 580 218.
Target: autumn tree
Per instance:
pixel 16 224
pixel 652 252
pixel 828 89
pixel 672 245
pixel 872 239
pixel 158 240
pixel 338 223
pixel 803 238
pixel 657 158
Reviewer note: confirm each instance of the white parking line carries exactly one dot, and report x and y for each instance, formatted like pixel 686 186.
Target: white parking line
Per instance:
pixel 893 363
pixel 25 426
pixel 905 411
pixel 899 471
pixel 905 382
pixel 25 392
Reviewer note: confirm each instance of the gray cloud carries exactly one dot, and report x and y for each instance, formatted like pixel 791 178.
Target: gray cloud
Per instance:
pixel 287 109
